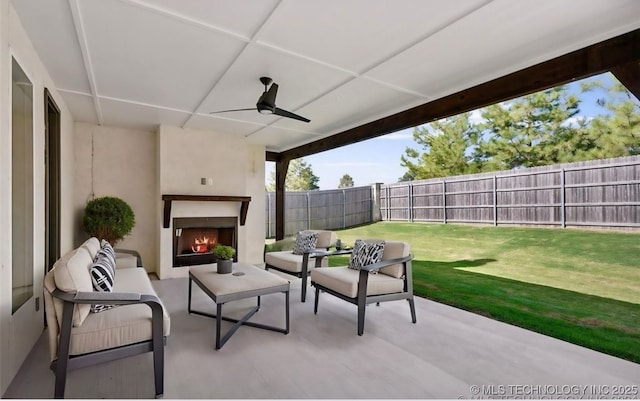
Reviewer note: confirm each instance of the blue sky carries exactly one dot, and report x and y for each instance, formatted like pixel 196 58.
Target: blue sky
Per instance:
pixel 378 159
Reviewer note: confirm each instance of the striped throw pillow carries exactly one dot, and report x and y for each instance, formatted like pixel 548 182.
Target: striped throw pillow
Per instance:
pixel 366 253
pixel 107 250
pixel 102 277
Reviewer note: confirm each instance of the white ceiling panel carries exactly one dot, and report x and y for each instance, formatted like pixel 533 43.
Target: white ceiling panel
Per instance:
pixel 359 101
pixel 278 139
pixel 340 63
pixel 81 106
pixel 234 17
pixel 151 58
pixel 485 49
pixel 223 124
pixel 50 22
pixel 300 81
pixel 137 116
pixel 357 35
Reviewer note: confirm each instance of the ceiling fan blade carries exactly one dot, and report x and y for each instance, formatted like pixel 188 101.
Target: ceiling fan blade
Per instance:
pixel 284 113
pixel 270 97
pixel 228 111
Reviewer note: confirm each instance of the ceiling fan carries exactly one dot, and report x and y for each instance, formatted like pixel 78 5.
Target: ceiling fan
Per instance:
pixel 267 102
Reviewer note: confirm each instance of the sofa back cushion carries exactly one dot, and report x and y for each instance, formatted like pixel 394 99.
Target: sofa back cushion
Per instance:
pixel 71 274
pixel 92 245
pixel 394 250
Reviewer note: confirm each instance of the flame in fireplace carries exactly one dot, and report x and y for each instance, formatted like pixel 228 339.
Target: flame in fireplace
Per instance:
pixel 202 245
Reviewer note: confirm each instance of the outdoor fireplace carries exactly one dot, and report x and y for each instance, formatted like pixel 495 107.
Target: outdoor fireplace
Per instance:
pixel 195 237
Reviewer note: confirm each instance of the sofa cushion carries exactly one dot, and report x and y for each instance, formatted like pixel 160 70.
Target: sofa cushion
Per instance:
pixel 305 241
pixel 92 245
pixel 345 281
pixel 124 325
pixel 288 261
pixel 71 274
pixel 125 260
pixel 366 253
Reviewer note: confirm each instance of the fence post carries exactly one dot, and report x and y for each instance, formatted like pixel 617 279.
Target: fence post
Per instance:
pixel 344 209
pixel 376 212
pixel 444 201
pixel 563 216
pixel 495 200
pixel 269 214
pixel 308 211
pixel 388 208
pixel 409 207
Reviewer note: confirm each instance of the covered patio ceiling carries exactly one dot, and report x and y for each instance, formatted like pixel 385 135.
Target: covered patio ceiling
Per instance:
pixel 356 68
pixel 343 64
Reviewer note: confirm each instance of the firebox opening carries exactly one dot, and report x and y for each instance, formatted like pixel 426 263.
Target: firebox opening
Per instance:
pixel 194 239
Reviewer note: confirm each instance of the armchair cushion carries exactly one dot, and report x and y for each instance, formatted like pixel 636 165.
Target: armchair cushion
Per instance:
pixel 305 241
pixel 395 250
pixel 366 253
pixel 326 238
pixel 345 281
pixel 289 261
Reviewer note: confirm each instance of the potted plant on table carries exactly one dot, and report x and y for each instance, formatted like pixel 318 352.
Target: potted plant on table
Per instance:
pixel 224 254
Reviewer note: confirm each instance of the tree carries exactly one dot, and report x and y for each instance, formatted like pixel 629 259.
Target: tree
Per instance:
pixel 617 132
pixel 300 177
pixel 533 130
pixel 445 143
pixel 538 129
pixel 345 181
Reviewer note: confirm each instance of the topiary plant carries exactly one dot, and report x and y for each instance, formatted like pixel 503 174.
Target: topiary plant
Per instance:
pixel 108 218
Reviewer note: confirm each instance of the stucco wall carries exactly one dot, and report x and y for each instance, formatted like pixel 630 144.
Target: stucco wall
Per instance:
pixel 140 166
pixel 19 331
pixel 235 167
pixel 119 162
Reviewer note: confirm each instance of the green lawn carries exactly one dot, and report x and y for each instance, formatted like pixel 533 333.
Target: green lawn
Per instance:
pixel 577 285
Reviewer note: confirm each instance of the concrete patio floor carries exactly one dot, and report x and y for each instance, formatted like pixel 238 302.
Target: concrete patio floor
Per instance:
pixel 449 353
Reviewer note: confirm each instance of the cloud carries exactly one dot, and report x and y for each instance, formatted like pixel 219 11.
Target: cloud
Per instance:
pixel 400 135
pixel 475 117
pixel 574 122
pixel 351 164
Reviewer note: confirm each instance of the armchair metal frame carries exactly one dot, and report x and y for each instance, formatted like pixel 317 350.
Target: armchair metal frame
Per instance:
pixel 304 273
pixel 362 299
pixel 65 362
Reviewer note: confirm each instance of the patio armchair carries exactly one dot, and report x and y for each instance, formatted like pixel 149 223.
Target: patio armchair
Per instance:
pixel 300 265
pixel 391 280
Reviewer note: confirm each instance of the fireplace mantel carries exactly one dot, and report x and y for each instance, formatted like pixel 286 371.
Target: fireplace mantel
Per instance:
pixel 244 204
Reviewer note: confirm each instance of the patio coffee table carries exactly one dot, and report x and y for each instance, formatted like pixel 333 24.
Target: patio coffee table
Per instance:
pixel 246 281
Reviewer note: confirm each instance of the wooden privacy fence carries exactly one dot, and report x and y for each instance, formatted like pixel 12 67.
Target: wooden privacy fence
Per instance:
pixel 603 193
pixel 329 209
